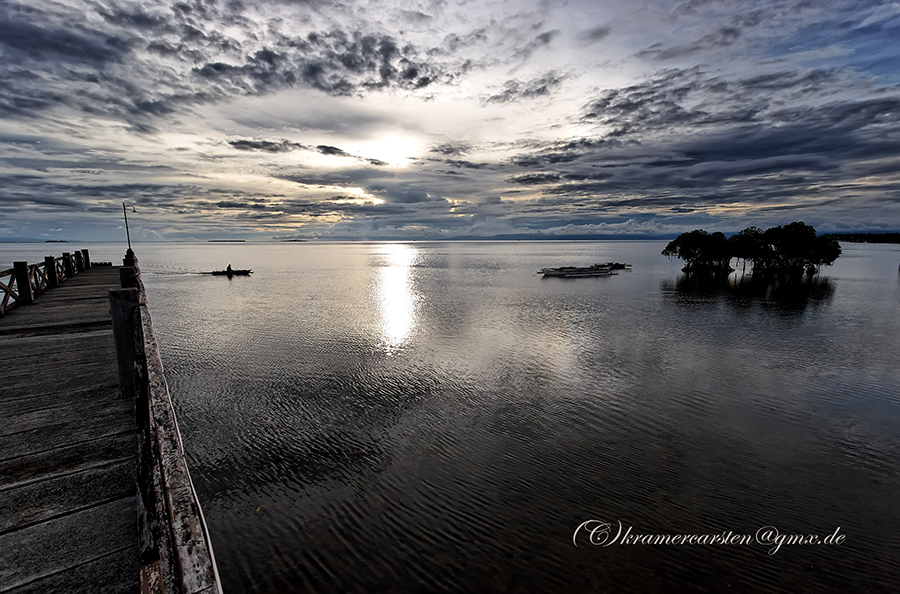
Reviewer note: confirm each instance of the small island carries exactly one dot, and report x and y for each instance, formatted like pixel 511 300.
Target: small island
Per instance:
pixel 785 251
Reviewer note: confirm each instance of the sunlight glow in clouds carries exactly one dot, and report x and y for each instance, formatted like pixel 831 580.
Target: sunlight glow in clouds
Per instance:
pixel 396 151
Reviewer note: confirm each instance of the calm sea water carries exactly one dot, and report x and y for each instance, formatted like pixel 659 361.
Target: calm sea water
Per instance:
pixel 434 417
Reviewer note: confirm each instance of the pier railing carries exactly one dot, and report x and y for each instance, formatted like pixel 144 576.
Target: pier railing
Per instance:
pixel 176 553
pixel 23 282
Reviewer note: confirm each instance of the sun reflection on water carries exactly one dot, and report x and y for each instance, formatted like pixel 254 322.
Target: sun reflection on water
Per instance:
pixel 398 300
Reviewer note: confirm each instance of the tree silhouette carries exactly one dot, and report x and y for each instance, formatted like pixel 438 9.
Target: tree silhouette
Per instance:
pixel 789 250
pixel 701 251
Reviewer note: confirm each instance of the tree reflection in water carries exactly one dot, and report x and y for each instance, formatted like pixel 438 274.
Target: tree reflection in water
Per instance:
pixel 782 293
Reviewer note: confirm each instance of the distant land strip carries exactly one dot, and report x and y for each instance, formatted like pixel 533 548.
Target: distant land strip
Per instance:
pixel 866 237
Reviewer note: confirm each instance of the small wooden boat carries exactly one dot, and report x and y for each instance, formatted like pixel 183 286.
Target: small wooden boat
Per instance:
pixel 233 272
pixel 578 271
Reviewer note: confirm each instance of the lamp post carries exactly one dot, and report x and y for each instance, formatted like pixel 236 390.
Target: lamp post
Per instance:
pixel 129 255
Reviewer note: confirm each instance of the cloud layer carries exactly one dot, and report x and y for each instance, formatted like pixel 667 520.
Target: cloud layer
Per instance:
pixel 429 120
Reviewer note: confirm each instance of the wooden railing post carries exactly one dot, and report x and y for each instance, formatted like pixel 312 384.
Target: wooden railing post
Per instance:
pixel 68 265
pixel 129 259
pixel 122 303
pixel 127 277
pixel 87 258
pixel 79 261
pixel 50 271
pixel 23 283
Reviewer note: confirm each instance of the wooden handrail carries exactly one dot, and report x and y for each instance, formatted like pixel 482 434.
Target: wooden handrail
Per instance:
pixel 176 552
pixel 60 269
pixel 15 291
pixel 9 298
pixel 38 278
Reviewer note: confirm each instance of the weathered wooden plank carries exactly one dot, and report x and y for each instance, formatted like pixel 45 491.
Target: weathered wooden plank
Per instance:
pixel 21 350
pixel 43 500
pixel 49 390
pixel 61 378
pixel 44 549
pixel 37 365
pixel 56 313
pixel 65 413
pixel 72 296
pixel 112 574
pixel 18 471
pixel 39 329
pixel 54 302
pixel 50 397
pixel 85 353
pixel 48 430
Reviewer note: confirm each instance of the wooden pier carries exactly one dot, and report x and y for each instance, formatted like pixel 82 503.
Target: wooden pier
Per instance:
pixel 68 517
pixel 94 490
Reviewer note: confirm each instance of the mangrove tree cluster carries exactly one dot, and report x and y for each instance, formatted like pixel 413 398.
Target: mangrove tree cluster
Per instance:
pixel 793 249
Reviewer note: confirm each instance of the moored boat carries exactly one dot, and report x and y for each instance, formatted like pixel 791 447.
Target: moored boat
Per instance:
pixel 577 271
pixel 616 265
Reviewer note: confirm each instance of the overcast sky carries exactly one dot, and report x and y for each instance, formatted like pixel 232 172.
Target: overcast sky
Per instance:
pixel 430 120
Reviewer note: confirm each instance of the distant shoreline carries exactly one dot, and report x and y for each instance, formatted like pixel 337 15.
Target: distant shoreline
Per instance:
pixel 866 237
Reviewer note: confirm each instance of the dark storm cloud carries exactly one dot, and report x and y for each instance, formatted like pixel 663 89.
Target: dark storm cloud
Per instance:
pixel 42 192
pixel 541 41
pixel 331 150
pixel 136 17
pixel 684 139
pixel 596 34
pixel 452 148
pixel 285 146
pixel 343 177
pixel 337 62
pixel 514 90
pixel 269 146
pixel 240 205
pixel 532 179
pixel 24 41
pixel 454 42
pixel 334 151
pixel 401 192
pixel 544 158
pixel 45 164
pixel 722 37
pixel 688 97
pixel 175 58
pixel 463 164
pixel 57 59
pixel 652 104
